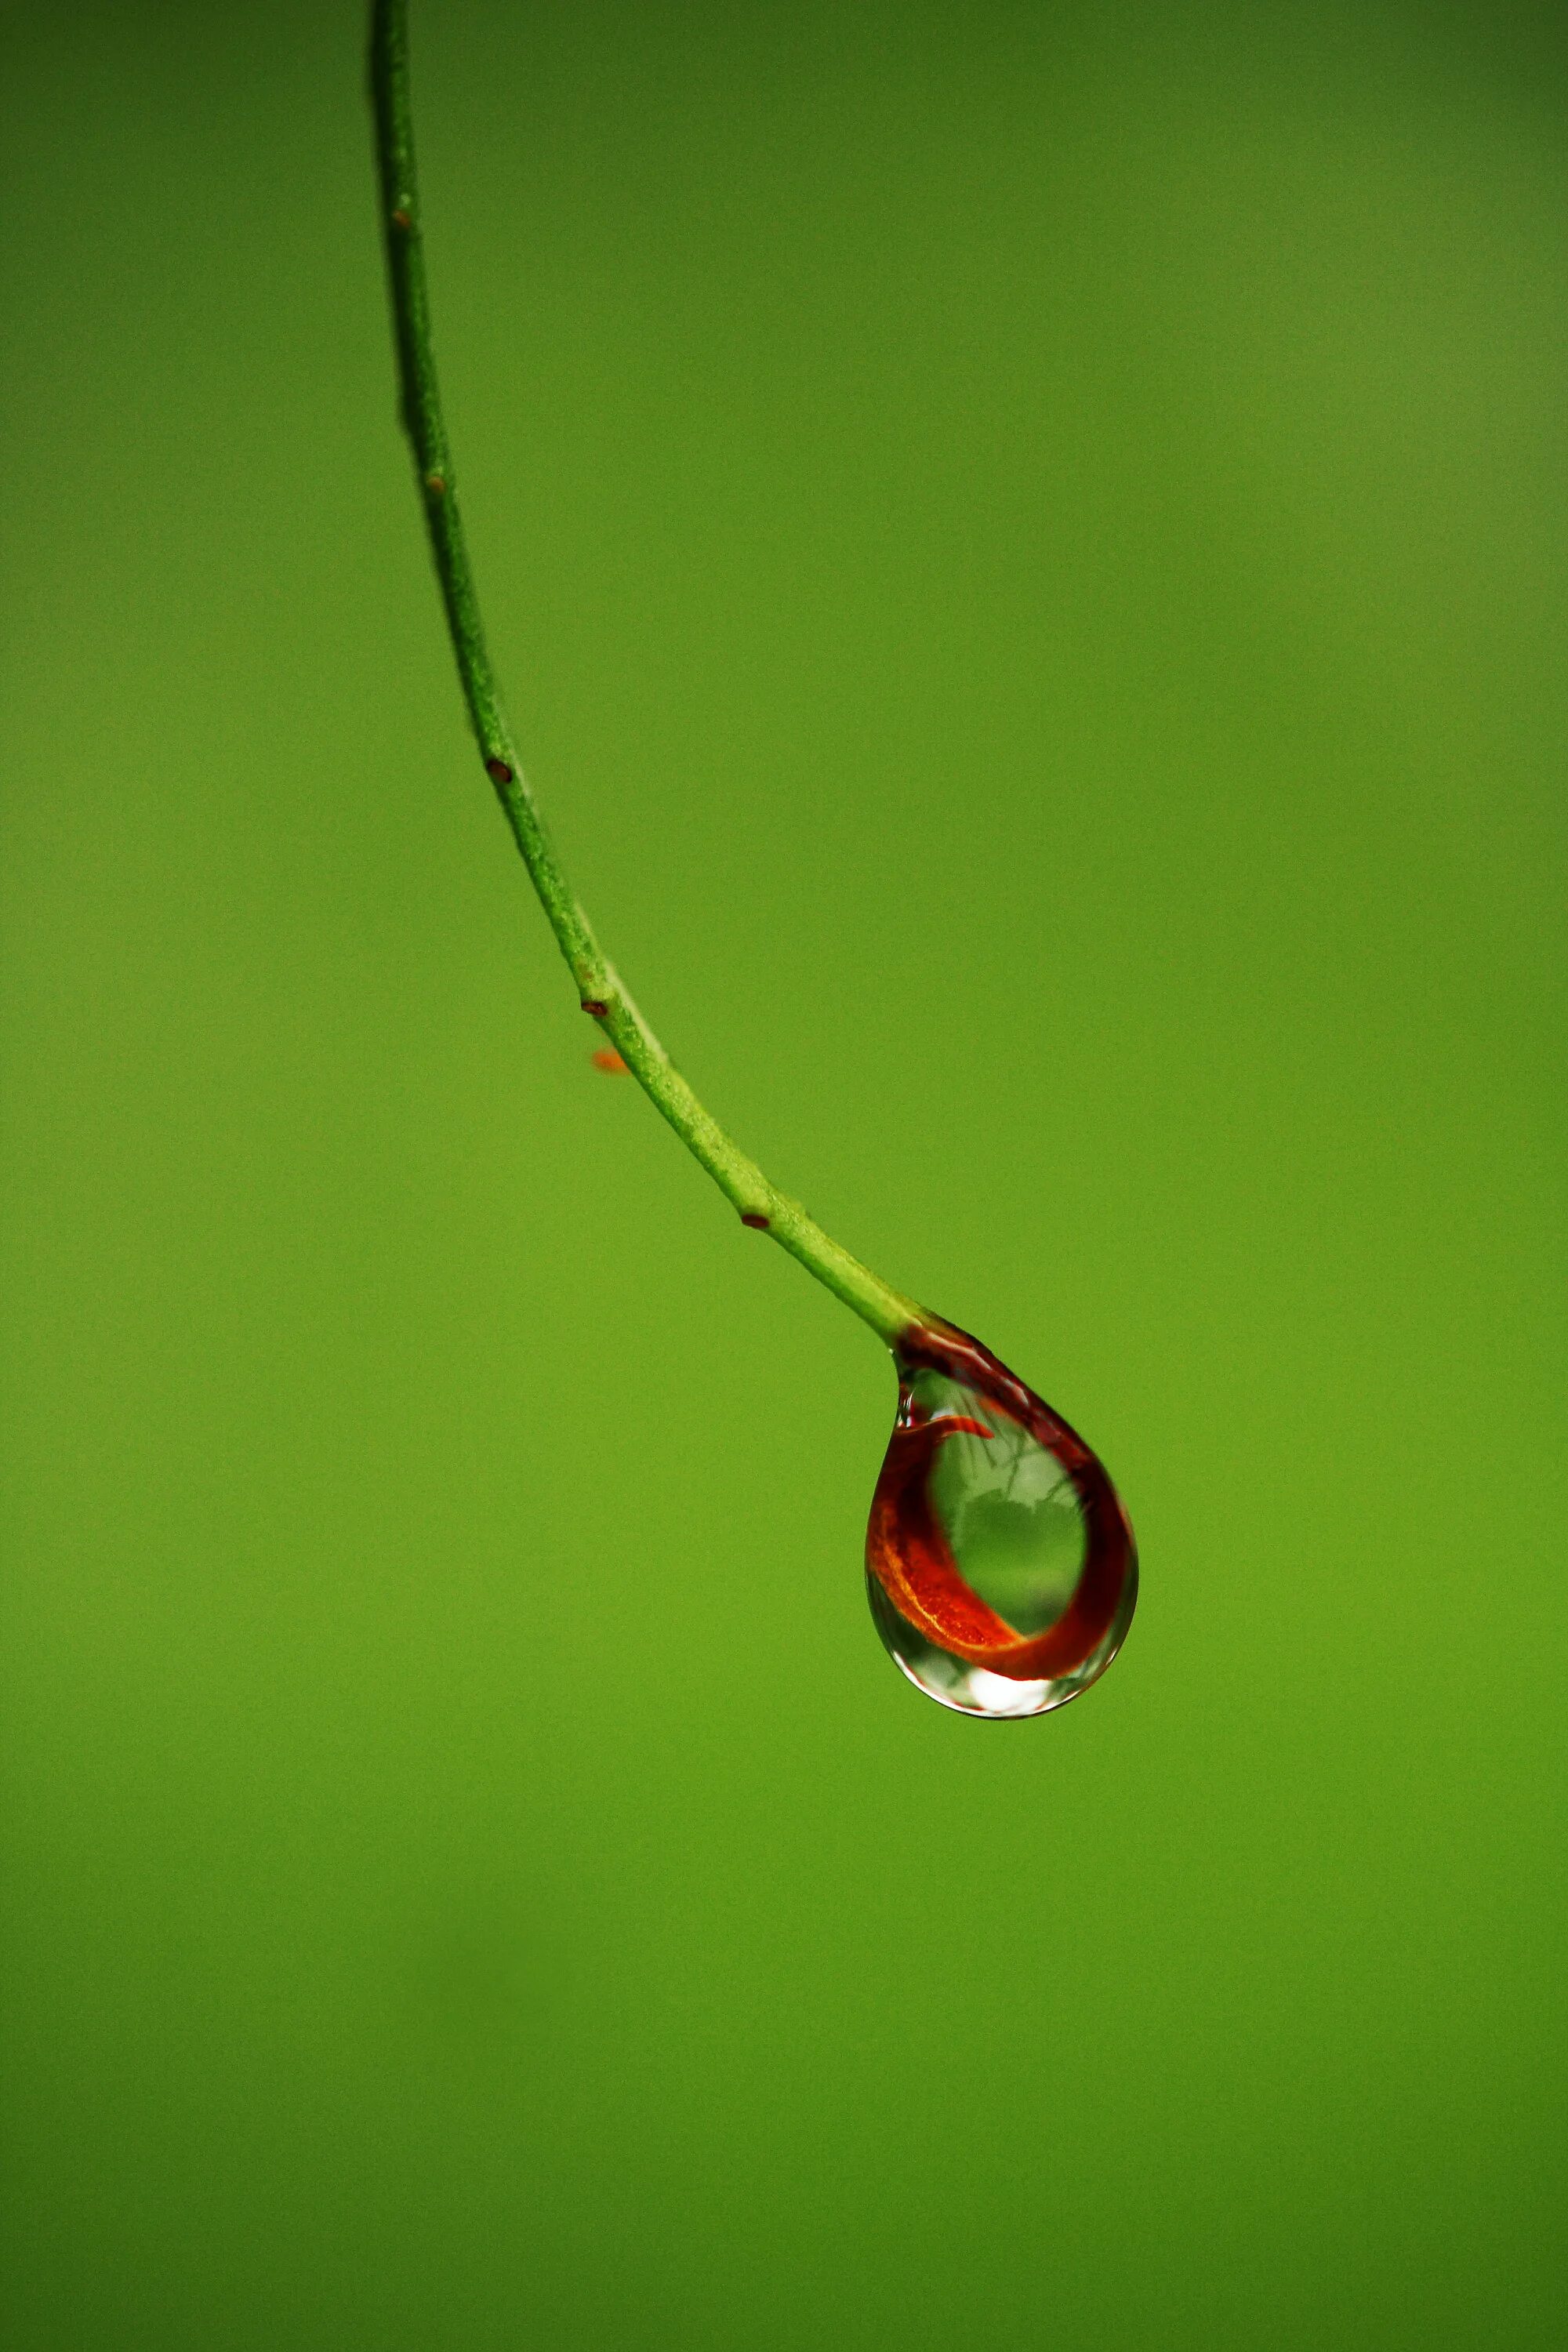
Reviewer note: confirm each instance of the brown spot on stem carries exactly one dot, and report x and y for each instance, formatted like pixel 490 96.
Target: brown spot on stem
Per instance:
pixel 402 219
pixel 596 1006
pixel 498 772
pixel 755 1219
pixel 436 485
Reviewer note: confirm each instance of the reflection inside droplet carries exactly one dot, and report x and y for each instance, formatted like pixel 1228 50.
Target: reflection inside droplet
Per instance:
pixel 1000 1565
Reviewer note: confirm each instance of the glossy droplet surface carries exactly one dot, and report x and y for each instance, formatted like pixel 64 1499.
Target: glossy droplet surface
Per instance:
pixel 999 1562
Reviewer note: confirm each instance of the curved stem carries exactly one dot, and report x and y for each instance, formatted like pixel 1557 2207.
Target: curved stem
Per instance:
pixel 600 988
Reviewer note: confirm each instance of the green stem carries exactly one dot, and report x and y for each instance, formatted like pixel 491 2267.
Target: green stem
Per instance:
pixel 600 988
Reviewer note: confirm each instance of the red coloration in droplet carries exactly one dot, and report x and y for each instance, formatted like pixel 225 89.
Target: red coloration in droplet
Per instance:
pixel 596 1006
pixel 400 219
pixel 907 1549
pixel 436 486
pixel 498 772
pixel 755 1219
pixel 606 1058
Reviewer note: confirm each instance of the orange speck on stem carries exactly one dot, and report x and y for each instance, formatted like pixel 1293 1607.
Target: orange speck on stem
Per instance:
pixel 606 1058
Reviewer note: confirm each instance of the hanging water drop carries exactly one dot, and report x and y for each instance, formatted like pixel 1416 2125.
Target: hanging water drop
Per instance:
pixel 999 1562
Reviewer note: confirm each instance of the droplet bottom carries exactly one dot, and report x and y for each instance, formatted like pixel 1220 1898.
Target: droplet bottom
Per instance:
pixel 1000 1564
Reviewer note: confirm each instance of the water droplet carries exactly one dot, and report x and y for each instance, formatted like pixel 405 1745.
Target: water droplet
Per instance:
pixel 999 1562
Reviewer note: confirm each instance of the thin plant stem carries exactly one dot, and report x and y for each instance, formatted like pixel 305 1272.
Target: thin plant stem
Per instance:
pixel 600 988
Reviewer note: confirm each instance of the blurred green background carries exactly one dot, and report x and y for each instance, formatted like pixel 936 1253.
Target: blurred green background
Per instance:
pixel 1028 545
